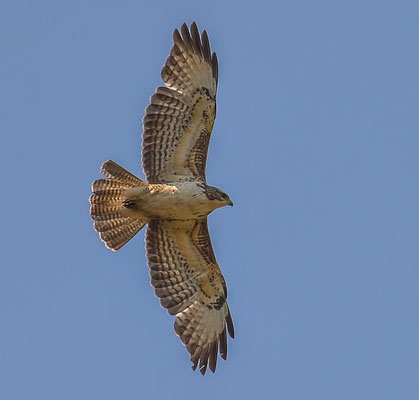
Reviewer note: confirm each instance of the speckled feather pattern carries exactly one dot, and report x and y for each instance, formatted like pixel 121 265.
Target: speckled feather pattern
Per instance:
pixel 115 227
pixel 179 120
pixel 190 285
pixel 175 201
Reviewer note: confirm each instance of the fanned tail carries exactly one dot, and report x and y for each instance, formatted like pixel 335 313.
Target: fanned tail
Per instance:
pixel 107 206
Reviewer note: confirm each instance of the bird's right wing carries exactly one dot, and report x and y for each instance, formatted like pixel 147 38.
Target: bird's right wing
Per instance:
pixel 189 283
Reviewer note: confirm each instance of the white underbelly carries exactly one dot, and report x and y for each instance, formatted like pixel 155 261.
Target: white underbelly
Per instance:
pixel 177 206
pixel 184 201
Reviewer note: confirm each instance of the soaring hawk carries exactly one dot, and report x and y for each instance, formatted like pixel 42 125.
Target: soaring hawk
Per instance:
pixel 176 200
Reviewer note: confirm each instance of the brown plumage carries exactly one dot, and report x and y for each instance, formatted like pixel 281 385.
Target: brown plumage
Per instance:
pixel 179 120
pixel 176 200
pixel 114 224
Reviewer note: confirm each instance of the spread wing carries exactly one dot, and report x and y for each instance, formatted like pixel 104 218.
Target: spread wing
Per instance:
pixel 178 122
pixel 189 283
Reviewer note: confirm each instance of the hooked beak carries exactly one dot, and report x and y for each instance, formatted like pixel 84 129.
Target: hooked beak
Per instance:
pixel 230 203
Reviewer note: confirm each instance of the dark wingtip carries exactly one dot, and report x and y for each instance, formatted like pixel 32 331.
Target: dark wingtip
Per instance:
pixel 195 359
pixel 230 326
pixel 206 51
pixel 223 344
pixel 176 36
pixel 214 64
pixel 194 366
pixel 203 369
pixel 196 39
pixel 213 355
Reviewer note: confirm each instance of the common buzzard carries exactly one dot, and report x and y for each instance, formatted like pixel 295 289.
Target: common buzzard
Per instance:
pixel 176 200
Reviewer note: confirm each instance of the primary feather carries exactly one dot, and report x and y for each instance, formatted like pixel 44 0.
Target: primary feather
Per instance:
pixel 175 201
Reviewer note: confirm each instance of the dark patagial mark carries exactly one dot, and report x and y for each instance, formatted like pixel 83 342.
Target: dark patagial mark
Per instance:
pixel 219 302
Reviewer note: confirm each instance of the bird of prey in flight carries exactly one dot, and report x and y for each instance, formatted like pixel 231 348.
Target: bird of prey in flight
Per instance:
pixel 175 201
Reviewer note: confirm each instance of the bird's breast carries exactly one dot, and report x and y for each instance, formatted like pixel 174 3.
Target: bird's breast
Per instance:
pixel 176 201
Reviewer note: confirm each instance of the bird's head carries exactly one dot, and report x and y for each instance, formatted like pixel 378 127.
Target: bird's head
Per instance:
pixel 218 196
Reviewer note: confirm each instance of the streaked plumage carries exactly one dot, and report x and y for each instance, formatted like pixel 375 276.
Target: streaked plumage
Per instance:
pixel 179 120
pixel 176 200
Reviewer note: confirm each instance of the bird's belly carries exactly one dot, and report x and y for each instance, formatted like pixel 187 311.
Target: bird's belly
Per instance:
pixel 174 202
pixel 177 207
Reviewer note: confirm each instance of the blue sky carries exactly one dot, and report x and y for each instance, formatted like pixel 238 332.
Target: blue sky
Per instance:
pixel 316 141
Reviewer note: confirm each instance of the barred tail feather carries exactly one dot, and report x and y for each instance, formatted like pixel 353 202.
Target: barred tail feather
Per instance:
pixel 107 210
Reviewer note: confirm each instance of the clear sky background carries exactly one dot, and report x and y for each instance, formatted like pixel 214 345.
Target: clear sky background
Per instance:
pixel 316 141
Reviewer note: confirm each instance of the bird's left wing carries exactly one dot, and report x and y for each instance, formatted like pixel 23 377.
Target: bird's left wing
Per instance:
pixel 179 120
pixel 186 277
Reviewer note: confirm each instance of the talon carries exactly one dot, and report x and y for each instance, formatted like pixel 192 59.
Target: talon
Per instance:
pixel 130 204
